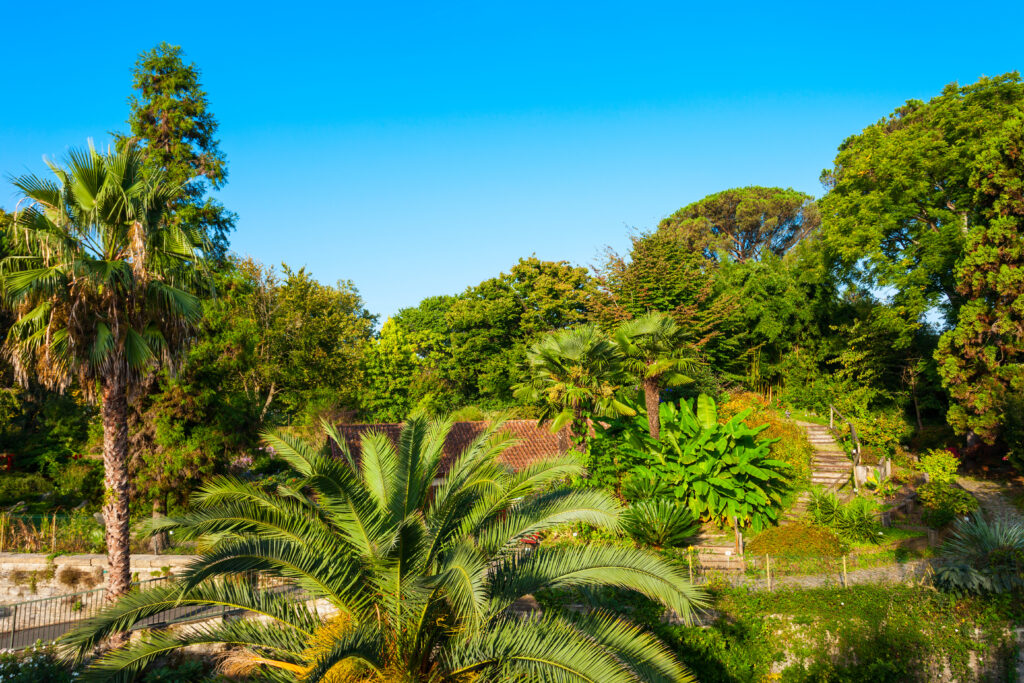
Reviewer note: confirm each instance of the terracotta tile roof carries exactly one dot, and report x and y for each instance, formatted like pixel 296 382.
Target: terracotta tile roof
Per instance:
pixel 532 442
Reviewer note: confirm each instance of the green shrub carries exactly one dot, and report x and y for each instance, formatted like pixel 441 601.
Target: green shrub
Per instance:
pixel 943 503
pixel 884 431
pixel 797 540
pixel 80 480
pixel 982 557
pixel 789 440
pixel 855 520
pixel 941 466
pixel 721 471
pixel 468 414
pixel 22 486
pixel 660 523
pixel 35 665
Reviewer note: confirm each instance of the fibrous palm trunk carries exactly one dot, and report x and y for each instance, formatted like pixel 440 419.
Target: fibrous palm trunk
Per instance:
pixel 115 467
pixel 652 399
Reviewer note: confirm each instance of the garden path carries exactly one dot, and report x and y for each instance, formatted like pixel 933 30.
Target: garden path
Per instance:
pixel 830 466
pixel 993 503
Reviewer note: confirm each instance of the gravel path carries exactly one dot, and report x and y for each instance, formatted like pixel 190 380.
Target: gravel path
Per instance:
pixel 993 503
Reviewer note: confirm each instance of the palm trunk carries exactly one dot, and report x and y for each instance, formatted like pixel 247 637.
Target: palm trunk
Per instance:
pixel 159 542
pixel 652 397
pixel 580 432
pixel 115 467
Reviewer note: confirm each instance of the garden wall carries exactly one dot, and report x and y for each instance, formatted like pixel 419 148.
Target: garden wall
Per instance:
pixel 28 576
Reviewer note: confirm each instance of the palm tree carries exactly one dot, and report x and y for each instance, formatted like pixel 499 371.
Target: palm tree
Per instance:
pixel 421 561
pixel 100 286
pixel 653 350
pixel 575 373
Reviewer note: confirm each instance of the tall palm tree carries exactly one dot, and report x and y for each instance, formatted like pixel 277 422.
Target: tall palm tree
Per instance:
pixel 653 349
pixel 421 562
pixel 575 373
pixel 100 286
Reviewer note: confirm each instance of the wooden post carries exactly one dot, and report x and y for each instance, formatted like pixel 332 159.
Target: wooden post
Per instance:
pixel 689 559
pixel 768 570
pixel 831 413
pixel 846 582
pixel 53 533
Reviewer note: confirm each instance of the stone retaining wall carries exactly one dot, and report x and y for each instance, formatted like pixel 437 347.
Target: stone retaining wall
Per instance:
pixel 28 576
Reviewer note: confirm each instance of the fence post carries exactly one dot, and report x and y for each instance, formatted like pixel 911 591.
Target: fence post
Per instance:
pixel 846 582
pixel 689 559
pixel 831 413
pixel 768 570
pixel 14 625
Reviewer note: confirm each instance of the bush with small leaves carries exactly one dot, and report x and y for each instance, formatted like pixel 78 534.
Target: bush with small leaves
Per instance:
pixel 943 503
pixel 34 665
pixel 940 465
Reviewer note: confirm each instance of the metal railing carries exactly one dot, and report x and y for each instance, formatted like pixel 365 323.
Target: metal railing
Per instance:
pixel 22 624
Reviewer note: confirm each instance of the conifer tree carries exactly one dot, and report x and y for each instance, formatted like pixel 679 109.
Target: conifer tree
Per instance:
pixel 171 120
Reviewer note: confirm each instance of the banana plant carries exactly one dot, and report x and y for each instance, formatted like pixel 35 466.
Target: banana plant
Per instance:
pixel 721 471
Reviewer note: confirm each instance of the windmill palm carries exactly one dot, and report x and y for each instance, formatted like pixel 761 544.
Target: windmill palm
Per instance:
pixel 575 374
pixel 421 561
pixel 100 287
pixel 653 350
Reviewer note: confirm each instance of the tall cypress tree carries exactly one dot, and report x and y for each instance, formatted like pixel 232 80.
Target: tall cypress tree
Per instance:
pixel 172 121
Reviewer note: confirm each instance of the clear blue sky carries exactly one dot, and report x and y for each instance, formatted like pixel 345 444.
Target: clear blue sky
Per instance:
pixel 419 148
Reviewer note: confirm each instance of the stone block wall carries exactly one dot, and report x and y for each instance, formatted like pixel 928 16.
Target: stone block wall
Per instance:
pixel 28 576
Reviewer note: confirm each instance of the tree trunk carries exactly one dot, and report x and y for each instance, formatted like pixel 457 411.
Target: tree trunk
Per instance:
pixel 652 397
pixel 917 414
pixel 159 542
pixel 115 468
pixel 580 430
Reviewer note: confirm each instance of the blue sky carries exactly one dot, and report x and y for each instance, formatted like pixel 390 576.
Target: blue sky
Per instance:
pixel 418 148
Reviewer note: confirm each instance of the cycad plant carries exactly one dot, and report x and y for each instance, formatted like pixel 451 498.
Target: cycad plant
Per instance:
pixel 654 350
pixel 575 373
pixel 420 562
pixel 661 523
pixel 102 286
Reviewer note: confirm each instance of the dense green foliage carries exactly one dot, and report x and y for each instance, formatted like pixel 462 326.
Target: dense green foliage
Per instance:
pixel 982 557
pixel 721 471
pixel 421 567
pixel 943 503
pixel 869 634
pixel 749 222
pixel 172 122
pixel 853 520
pixel 660 522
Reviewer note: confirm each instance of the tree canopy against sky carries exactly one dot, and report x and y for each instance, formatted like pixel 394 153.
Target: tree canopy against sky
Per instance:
pixel 927 202
pixel 747 222
pixel 172 121
pixel 904 193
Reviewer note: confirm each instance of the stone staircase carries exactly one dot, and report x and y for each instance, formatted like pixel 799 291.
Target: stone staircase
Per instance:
pixel 831 468
pixel 716 552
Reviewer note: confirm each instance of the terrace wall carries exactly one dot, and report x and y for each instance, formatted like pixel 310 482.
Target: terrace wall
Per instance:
pixel 28 576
